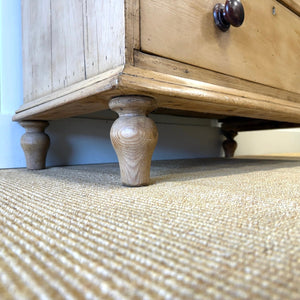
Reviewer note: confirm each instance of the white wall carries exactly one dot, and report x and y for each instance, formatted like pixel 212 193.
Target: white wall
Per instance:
pixel 10 83
pixel 82 140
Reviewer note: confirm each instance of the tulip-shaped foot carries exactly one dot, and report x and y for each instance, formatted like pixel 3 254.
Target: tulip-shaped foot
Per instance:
pixel 229 145
pixel 35 143
pixel 134 137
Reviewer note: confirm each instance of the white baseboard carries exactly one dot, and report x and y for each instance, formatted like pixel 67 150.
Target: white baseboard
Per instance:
pixel 268 142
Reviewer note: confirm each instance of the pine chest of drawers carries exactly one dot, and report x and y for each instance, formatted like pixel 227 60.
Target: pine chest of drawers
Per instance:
pixel 138 56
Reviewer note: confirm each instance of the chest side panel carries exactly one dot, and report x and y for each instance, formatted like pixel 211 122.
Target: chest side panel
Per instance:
pixel 66 42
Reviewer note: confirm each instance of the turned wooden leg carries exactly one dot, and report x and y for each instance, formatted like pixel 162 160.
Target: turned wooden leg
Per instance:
pixel 134 137
pixel 35 144
pixel 229 145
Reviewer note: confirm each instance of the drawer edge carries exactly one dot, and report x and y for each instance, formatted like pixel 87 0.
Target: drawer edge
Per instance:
pixel 176 92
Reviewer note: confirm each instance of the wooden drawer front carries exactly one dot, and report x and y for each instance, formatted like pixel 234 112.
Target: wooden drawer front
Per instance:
pixel 265 49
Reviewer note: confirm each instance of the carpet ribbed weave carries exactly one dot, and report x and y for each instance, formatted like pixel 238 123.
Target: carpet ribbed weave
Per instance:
pixel 205 229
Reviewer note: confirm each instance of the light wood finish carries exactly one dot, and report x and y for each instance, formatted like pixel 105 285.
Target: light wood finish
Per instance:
pixel 35 144
pixel 37 62
pixel 104 35
pixel 66 42
pixel 80 54
pixel 293 5
pixel 134 137
pixel 132 28
pixel 79 98
pixel 260 50
pixel 181 93
pixel 176 86
pixel 67 47
pixel 171 67
pixel 171 92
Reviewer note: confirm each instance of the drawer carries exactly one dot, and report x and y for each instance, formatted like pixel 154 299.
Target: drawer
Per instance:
pixel 265 49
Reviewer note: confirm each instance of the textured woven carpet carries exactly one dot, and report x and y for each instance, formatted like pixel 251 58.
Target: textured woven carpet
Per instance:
pixel 205 229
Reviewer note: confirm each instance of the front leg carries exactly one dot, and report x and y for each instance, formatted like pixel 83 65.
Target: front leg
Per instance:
pixel 134 137
pixel 229 145
pixel 35 143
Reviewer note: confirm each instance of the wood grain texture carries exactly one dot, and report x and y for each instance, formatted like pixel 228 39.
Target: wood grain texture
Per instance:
pixel 83 97
pixel 134 137
pixel 171 92
pixel 260 50
pixel 171 67
pixel 37 61
pixel 66 42
pixel 104 35
pixel 83 56
pixel 35 143
pixel 175 85
pixel 184 94
pixel 293 5
pixel 132 29
pixel 67 49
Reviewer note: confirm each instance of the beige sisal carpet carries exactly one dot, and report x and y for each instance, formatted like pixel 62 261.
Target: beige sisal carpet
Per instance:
pixel 206 229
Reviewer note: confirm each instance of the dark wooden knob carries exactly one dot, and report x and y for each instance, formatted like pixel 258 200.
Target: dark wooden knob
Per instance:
pixel 232 13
